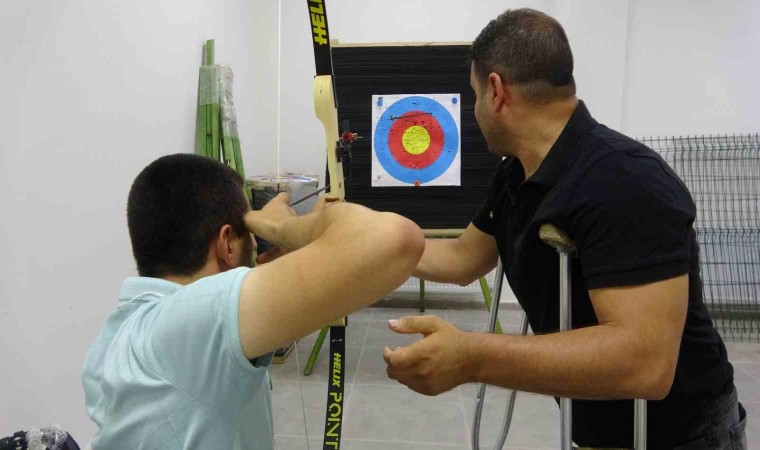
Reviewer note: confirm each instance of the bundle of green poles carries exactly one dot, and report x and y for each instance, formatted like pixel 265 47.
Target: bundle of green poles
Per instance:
pixel 216 123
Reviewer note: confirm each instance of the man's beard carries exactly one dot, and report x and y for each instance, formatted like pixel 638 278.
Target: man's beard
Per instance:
pixel 497 144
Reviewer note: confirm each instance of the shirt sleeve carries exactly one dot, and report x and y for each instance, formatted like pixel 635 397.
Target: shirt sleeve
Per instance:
pixel 632 222
pixel 194 340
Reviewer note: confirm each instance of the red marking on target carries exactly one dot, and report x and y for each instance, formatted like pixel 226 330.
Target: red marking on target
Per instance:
pixel 396 136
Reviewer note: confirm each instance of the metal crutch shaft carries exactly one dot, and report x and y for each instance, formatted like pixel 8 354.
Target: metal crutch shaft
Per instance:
pixel 640 424
pixel 565 324
pixel 564 246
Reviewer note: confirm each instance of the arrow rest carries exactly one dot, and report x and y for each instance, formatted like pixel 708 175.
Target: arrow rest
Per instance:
pixel 343 148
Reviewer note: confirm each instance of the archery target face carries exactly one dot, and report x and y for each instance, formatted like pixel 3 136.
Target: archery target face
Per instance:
pixel 416 140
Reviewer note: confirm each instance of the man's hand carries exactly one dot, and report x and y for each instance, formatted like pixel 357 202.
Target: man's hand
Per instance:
pixel 433 365
pixel 268 224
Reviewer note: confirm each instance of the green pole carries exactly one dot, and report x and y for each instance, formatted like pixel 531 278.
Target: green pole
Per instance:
pixel 201 115
pixel 489 301
pixel 215 130
pixel 210 52
pixel 315 352
pixel 212 120
pixel 422 295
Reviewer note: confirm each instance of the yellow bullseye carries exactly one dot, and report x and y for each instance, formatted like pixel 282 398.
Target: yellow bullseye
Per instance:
pixel 416 140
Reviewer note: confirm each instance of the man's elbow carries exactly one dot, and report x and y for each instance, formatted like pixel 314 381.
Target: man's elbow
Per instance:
pixel 467 279
pixel 407 240
pixel 655 380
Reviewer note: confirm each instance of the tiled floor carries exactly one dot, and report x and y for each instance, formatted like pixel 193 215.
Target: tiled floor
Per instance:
pixel 382 414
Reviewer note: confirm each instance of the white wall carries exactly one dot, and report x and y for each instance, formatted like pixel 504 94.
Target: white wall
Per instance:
pixel 692 68
pixel 597 32
pixel 93 90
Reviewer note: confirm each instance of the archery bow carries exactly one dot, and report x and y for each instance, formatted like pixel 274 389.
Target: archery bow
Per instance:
pixel 338 150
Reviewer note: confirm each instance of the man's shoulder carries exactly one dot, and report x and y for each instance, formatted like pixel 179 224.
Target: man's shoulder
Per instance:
pixel 606 155
pixel 607 146
pixel 219 284
pixel 613 171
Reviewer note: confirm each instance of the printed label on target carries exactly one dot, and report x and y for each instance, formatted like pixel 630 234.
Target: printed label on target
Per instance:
pixel 416 140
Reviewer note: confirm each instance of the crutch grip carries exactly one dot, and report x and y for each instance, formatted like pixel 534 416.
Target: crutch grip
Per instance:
pixel 556 238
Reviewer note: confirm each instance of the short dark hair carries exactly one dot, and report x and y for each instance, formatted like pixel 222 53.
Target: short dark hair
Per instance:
pixel 176 206
pixel 528 48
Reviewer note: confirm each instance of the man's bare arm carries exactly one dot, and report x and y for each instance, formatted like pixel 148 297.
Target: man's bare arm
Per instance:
pixel 632 353
pixel 460 261
pixel 341 260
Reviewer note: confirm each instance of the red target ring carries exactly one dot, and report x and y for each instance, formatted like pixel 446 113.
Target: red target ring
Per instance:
pixel 396 136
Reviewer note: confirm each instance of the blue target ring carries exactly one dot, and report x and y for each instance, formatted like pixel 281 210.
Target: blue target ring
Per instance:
pixel 450 136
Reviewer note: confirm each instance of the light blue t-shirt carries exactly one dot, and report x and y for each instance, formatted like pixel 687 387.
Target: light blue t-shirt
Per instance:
pixel 168 370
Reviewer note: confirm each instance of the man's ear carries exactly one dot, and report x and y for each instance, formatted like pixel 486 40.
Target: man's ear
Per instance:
pixel 223 246
pixel 500 92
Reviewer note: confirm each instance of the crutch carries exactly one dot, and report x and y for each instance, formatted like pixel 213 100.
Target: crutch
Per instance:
pixel 492 320
pixel 565 246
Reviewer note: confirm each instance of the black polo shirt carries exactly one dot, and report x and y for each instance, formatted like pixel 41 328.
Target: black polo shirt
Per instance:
pixel 631 218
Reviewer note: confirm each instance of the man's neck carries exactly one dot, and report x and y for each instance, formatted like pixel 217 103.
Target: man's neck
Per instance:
pixel 540 129
pixel 207 270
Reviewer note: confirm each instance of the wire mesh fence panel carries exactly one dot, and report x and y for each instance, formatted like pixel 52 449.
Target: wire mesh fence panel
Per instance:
pixel 723 175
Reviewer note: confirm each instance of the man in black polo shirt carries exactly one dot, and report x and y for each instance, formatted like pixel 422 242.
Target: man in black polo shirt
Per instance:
pixel 641 329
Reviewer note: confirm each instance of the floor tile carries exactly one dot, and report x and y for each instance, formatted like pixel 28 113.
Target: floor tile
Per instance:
pixel 362 314
pixel 358 444
pixel 747 384
pixel 468 315
pixel 535 421
pixel 398 414
pixel 379 335
pixel 744 352
pixel 753 424
pixel 286 409
pixel 372 368
pixel 526 448
pixel 294 443
pixel 483 327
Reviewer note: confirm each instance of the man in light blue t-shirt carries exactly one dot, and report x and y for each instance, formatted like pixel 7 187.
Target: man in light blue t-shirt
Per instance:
pixel 181 362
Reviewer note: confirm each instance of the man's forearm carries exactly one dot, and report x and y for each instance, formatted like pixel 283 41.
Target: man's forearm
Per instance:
pixel 438 262
pixel 598 362
pixel 461 260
